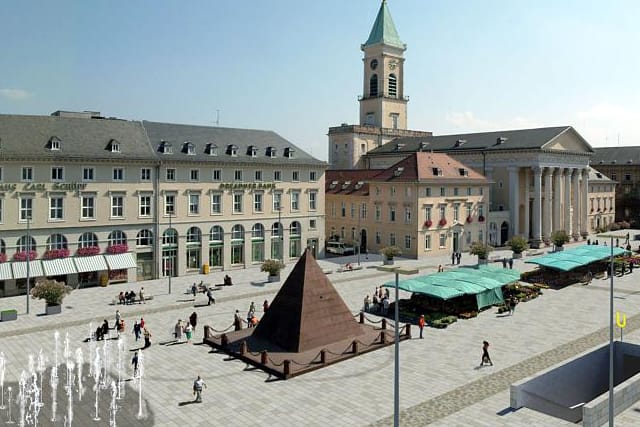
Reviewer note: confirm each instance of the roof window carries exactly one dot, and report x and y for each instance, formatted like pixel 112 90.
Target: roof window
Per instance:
pixel 232 150
pixel 165 147
pixel 288 152
pixel 333 185
pixel 252 151
pixel 437 172
pixel 346 184
pixel 398 171
pixel 271 151
pixel 424 145
pixel 399 146
pixel 459 143
pixel 55 144
pixel 463 172
pixel 359 185
pixel 501 140
pixel 212 149
pixel 187 147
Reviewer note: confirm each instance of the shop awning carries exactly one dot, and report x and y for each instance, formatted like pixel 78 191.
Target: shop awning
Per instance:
pixel 20 269
pixel 120 261
pixel 85 264
pixel 58 266
pixel 575 257
pixel 5 271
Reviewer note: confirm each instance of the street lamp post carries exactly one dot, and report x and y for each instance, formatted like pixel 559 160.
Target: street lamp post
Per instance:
pixel 28 260
pixel 359 233
pixel 170 259
pixel 396 373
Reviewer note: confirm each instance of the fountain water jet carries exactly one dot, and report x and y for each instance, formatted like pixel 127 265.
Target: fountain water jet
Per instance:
pixel 79 362
pixel 54 391
pixel 41 368
pixel 69 389
pixel 121 345
pixel 92 348
pixel 96 379
pixel 56 337
pixel 113 408
pixel 10 420
pixel 140 374
pixel 22 384
pixel 3 363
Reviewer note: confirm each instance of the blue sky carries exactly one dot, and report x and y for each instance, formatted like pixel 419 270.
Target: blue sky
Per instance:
pixel 295 66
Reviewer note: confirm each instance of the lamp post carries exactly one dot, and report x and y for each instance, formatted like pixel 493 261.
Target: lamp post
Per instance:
pixel 396 373
pixel 28 259
pixel 170 259
pixel 359 232
pixel 281 232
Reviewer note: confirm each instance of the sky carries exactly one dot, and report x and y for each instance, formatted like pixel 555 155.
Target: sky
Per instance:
pixel 295 67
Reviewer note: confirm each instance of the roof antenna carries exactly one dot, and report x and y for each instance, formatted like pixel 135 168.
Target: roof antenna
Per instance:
pixel 217 117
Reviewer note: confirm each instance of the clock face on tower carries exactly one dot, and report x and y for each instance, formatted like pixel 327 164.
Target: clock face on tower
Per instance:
pixel 392 65
pixel 373 64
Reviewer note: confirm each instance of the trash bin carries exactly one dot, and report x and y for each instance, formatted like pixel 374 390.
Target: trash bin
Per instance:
pixel 205 269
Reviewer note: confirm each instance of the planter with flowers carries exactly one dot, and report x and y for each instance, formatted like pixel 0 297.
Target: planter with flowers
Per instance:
pixel 428 223
pixel 273 267
pixel 23 255
pixel 88 251
pixel 56 253
pixel 469 219
pixel 481 218
pixel 3 257
pixel 117 249
pixel 481 250
pixel 390 252
pixel 442 222
pixel 52 292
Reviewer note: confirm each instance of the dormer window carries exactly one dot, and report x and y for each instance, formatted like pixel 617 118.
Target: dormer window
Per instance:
pixel 333 185
pixel 437 172
pixel 423 146
pixel 288 152
pixel 501 140
pixel 346 184
pixel 359 185
pixel 398 171
pixel 188 148
pixel 165 148
pixel 459 143
pixel 252 151
pixel 271 152
pixel 463 172
pixel 55 144
pixel 232 150
pixel 399 147
pixel 212 149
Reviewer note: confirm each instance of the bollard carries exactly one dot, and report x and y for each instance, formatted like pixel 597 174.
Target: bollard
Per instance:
pixel 362 317
pixel 323 356
pixel 263 357
pixel 224 340
pixel 384 324
pixel 354 347
pixel 408 332
pixel 383 337
pixel 287 368
pixel 243 348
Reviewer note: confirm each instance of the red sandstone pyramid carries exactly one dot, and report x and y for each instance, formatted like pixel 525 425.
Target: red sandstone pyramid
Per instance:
pixel 307 312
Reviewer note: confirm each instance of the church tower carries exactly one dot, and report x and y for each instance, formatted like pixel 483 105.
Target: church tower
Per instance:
pixel 383 103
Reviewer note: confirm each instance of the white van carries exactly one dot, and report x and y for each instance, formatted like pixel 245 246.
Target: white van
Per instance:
pixel 340 248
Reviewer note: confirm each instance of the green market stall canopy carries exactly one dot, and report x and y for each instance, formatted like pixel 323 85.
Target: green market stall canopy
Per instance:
pixel 483 281
pixel 572 258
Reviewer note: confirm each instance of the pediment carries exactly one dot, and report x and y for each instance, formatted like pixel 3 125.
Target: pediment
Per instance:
pixel 569 141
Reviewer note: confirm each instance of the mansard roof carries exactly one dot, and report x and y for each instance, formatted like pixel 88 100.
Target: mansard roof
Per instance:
pixel 609 156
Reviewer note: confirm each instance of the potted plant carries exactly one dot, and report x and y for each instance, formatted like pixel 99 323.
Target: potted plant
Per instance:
pixel 273 267
pixel 428 223
pixel 88 251
pixel 52 292
pixel 469 219
pixel 518 245
pixel 56 253
pixel 481 218
pixel 482 250
pixel 3 257
pixel 119 248
pixel 6 315
pixel 23 255
pixel 389 252
pixel 559 238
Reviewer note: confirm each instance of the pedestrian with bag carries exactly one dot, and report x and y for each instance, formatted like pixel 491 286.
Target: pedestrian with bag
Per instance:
pixel 485 354
pixel 147 338
pixel 210 297
pixel 198 385
pixel 421 323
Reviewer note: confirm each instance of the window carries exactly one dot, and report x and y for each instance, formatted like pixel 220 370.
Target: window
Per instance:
pixel 258 176
pixel 194 204
pixel 393 86
pixel 216 203
pixel 295 200
pixel 277 200
pixel 144 238
pixel 407 241
pixel 57 173
pixel 295 176
pixel 0 174
pixel 27 173
pixel 54 144
pixel 378 191
pixel 1 210
pixel 117 237
pixel 56 241
pixel 88 240
pixel 456 212
pixel 456 191
pixel 394 120
pixel 115 146
pixel 56 204
pixel 194 174
pixel 407 215
pixel 237 175
pixel 353 233
pixel 627 177
pixel 407 192
pixel 443 240
pixel 443 211
pixel 217 175
pixel 257 202
pixel 378 213
pixel 378 238
pixel 363 211
pixel 312 224
pixel 313 199
pixel 277 175
pixel 333 209
pixel 189 147
pixel 237 202
pixel 343 209
pixel 442 192
pixel 427 242
pixel 313 176
pixel 427 213
pixel 169 204
pixel 392 239
pixel 171 174
pixel 480 209
pixel 145 174
pixel 88 174
pixel 427 192
pixel 88 207
pixel 373 86
pixel 480 236
pixel 26 208
pixel 468 191
pixel 144 203
pixel 211 149
pixel 392 213
pixel 117 206
pixel 392 190
pixel 353 210
pixel 118 174
pixel 469 209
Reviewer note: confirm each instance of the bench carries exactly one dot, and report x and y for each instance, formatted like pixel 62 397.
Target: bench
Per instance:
pixel 343 269
pixel 535 253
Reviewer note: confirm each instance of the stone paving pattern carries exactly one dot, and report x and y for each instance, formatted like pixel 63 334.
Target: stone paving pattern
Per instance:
pixel 440 378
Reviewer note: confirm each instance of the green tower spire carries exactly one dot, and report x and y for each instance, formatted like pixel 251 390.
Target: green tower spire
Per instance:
pixel 384 31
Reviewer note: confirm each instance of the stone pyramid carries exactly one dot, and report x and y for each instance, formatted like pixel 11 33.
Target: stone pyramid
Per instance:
pixel 307 312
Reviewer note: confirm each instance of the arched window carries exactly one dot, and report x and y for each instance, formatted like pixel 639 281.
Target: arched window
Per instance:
pixel 170 237
pixel 26 244
pixel 237 232
pixel 373 85
pixel 216 234
pixel 276 229
pixel 257 243
pixel 87 240
pixel 194 235
pixel 295 229
pixel 237 244
pixel 216 246
pixel 117 237
pixel 144 238
pixel 56 241
pixel 295 244
pixel 3 247
pixel 257 232
pixel 393 86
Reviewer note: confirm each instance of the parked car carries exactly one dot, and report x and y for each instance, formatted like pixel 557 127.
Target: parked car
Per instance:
pixel 340 248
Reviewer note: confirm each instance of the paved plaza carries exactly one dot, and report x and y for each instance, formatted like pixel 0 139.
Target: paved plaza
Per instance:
pixel 441 382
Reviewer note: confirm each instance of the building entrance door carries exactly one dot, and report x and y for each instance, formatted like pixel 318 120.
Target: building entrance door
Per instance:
pixel 456 241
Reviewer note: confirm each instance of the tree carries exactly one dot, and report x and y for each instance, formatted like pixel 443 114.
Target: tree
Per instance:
pixel 559 238
pixel 50 290
pixel 518 244
pixel 480 249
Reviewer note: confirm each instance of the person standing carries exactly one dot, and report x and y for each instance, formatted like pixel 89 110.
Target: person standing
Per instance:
pixel 141 323
pixel 504 262
pixel 198 384
pixel 237 321
pixel 511 263
pixel 265 306
pixel 134 362
pixel 118 317
pixel 485 354
pixel 513 303
pixel 141 296
pixel 453 258
pixel 459 257
pixel 147 338
pixel 188 331
pixel 367 303
pixel 385 306
pixel 194 289
pixel 421 324
pixel 178 330
pixel 210 297
pixel 193 319
pixel 136 330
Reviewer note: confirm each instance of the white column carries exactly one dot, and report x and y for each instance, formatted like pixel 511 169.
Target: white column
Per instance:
pixel 566 211
pixel 537 206
pixel 514 199
pixel 584 226
pixel 557 194
pixel 575 187
pixel 527 199
pixel 547 227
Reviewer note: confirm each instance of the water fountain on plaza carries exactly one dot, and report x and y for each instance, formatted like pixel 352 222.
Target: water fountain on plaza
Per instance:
pixel 56 337
pixel 121 345
pixel 33 393
pixel 96 379
pixel 79 362
pixel 41 368
pixel 106 350
pixel 113 407
pixel 140 374
pixel 22 384
pixel 92 348
pixel 69 389
pixel 53 380
pixel 10 420
pixel 3 362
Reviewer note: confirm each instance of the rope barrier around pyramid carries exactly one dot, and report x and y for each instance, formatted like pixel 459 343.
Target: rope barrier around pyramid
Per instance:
pixel 307 319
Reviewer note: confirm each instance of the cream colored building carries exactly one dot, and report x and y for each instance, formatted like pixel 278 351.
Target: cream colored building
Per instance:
pixel 92 195
pixel 602 206
pixel 426 204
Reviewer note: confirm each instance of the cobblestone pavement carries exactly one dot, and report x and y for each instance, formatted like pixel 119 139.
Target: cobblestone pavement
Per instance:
pixel 440 380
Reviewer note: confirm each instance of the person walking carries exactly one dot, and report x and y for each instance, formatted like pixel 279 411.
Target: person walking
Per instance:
pixel 134 362
pixel 141 296
pixel 193 319
pixel 141 323
pixel 265 306
pixel 485 354
pixel 453 258
pixel 147 338
pixel 210 297
pixel 504 262
pixel 194 289
pixel 136 330
pixel 459 257
pixel 178 329
pixel 198 385
pixel 188 331
pixel 237 321
pixel 421 324
pixel 120 328
pixel 118 317
pixel 511 263
pixel 367 303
